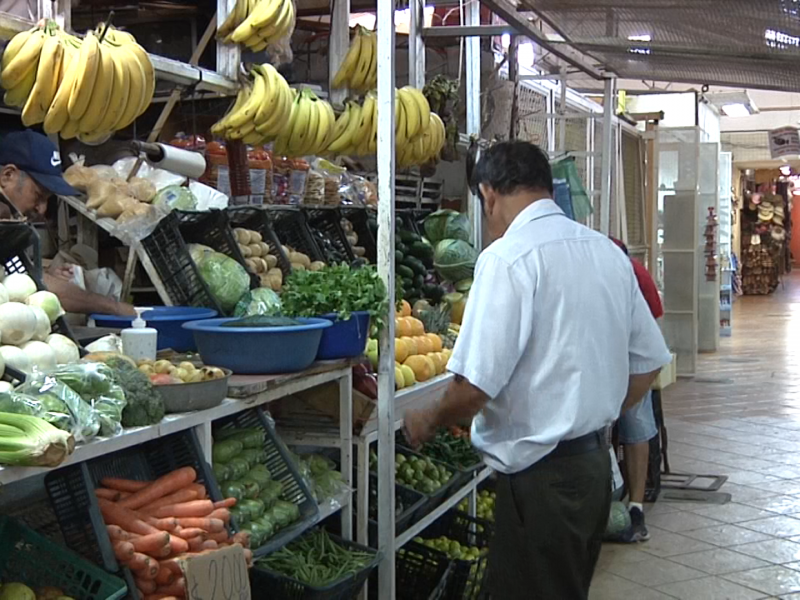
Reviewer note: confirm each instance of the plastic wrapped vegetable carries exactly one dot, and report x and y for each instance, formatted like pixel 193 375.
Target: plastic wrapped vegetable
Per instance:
pixel 241 517
pixel 239 467
pixel 74 414
pixel 255 508
pixel 226 450
pixel 260 301
pixel 227 280
pixel 285 513
pixel 253 456
pixel 266 528
pixel 222 472
pixel 271 493
pixel 250 438
pixel 251 487
pixel 261 474
pixel 95 384
pixel 22 404
pixel 233 489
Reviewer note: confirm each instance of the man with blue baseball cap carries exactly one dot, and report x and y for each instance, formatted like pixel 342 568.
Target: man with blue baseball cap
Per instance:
pixel 30 173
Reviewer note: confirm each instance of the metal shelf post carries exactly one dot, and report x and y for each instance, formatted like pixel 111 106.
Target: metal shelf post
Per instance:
pixel 386 234
pixel 473 68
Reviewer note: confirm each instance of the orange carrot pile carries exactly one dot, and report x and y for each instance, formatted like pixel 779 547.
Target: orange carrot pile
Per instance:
pixel 152 524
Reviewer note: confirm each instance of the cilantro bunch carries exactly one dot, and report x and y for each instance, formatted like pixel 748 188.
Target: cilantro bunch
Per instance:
pixel 336 289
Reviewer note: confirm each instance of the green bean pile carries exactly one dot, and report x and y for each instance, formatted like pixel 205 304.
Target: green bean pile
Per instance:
pixel 452 450
pixel 316 560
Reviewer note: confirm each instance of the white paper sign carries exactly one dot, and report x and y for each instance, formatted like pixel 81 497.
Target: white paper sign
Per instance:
pixel 784 142
pixel 217 575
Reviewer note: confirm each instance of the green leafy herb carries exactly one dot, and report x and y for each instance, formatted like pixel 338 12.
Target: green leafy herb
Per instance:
pixel 336 289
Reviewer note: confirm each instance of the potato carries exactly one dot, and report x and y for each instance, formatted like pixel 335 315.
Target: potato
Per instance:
pixel 255 237
pixel 181 374
pixel 286 250
pixel 255 249
pixel 147 369
pixel 195 376
pixel 264 280
pixel 263 267
pixel 188 366
pixel 275 282
pixel 317 265
pixel 245 250
pixel 299 258
pixel 163 366
pixel 242 236
pixel 264 248
pixel 275 271
pixel 272 261
pixel 298 267
pixel 352 239
pixel 359 250
pixel 250 265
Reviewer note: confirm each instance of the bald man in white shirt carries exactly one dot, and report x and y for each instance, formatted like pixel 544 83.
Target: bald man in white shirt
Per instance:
pixel 556 342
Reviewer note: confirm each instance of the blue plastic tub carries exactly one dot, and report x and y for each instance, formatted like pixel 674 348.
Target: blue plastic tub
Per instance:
pixel 346 339
pixel 168 321
pixel 258 350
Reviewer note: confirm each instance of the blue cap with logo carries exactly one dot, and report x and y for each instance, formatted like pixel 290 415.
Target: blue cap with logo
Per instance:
pixel 35 154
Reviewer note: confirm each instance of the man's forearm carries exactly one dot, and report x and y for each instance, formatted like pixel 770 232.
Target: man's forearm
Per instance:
pixel 76 300
pixel 638 386
pixel 461 402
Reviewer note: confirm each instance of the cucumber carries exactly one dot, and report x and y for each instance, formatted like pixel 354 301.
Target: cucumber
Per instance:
pixel 408 237
pixel 400 247
pixel 415 264
pixel 398 256
pixel 419 280
pixel 372 223
pixel 421 250
pixel 433 291
pixel 404 271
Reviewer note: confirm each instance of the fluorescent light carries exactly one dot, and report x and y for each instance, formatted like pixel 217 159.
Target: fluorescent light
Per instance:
pixel 785 170
pixel 640 38
pixel 735 110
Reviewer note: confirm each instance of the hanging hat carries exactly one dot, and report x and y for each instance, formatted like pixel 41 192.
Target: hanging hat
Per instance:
pixel 755 240
pixel 765 213
pixel 778 208
pixel 777 219
pixel 778 233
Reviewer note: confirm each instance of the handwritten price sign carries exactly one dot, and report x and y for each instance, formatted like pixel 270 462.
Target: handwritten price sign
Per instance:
pixel 217 575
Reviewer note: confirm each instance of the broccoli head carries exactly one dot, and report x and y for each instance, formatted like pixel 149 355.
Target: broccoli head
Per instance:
pixel 144 405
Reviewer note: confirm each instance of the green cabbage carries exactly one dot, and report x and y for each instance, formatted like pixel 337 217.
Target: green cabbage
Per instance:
pixel 447 224
pixel 454 260
pixel 176 197
pixel 260 301
pixel 226 279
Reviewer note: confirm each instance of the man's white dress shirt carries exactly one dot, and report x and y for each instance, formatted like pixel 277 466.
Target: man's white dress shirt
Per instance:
pixel 554 326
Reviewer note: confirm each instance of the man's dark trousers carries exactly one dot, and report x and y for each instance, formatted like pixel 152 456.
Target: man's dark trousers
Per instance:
pixel 549 520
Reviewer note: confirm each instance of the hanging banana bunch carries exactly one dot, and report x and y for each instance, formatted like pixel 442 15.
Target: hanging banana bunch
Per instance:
pixel 77 86
pixel 258 23
pixel 359 70
pixel 309 129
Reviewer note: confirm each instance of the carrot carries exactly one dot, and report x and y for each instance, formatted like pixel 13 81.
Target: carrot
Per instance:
pixel 223 514
pixel 146 586
pixel 243 538
pixel 165 576
pixel 178 545
pixel 175 498
pixel 169 483
pixel 107 494
pixel 206 523
pixel 173 565
pixel 161 596
pixel 167 524
pixel 202 492
pixel 149 570
pixel 227 503
pixel 194 508
pixel 153 542
pixel 123 485
pixel 177 588
pixel 219 537
pixel 210 545
pixel 139 562
pixel 188 533
pixel 123 550
pixel 117 534
pixel 114 514
pixel 195 544
pixel 248 556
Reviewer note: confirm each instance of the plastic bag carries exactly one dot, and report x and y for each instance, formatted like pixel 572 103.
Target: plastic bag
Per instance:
pixel 59 399
pixel 322 476
pixel 260 301
pixel 95 384
pixel 23 404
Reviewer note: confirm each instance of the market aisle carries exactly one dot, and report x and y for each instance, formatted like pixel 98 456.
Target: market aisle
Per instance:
pixel 740 417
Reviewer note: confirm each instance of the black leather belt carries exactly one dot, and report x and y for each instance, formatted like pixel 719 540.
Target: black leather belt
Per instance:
pixel 580 445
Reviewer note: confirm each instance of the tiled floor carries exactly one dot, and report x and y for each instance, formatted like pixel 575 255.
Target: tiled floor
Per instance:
pixel 739 417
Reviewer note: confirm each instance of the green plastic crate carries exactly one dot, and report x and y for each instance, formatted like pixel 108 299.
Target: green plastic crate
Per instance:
pixel 27 557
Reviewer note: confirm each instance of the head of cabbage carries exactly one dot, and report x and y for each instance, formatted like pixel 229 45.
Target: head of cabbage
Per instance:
pixel 226 279
pixel 260 301
pixel 176 197
pixel 454 260
pixel 447 224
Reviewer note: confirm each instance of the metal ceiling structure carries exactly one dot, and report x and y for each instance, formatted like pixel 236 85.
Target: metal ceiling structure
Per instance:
pixel 749 43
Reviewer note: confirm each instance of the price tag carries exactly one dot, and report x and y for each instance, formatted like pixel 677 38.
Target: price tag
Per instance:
pixel 217 575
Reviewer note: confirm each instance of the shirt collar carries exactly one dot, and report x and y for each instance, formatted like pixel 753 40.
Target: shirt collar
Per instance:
pixel 535 210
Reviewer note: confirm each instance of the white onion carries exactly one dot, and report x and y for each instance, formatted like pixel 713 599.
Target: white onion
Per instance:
pixel 19 286
pixel 66 350
pixel 42 324
pixel 3 293
pixel 48 302
pixel 42 356
pixel 15 358
pixel 17 323
pixel 5 387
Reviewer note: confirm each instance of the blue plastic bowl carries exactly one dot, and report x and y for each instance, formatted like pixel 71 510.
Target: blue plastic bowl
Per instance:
pixel 258 350
pixel 346 339
pixel 167 320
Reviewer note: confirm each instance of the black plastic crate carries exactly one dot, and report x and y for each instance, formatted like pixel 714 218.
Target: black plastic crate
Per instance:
pixel 412 502
pixel 179 276
pixel 255 219
pixel 462 474
pixel 435 499
pixel 279 587
pixel 359 216
pixel 467 578
pixel 213 229
pixel 291 227
pixel 282 468
pixel 420 574
pixel 71 489
pixel 325 223
pixel 407 221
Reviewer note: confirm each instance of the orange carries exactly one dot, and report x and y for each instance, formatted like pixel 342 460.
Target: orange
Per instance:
pixel 405 309
pixel 400 350
pixel 402 327
pixel 417 328
pixel 422 367
pixel 411 345
pixel 437 341
pixel 424 345
pixel 437 362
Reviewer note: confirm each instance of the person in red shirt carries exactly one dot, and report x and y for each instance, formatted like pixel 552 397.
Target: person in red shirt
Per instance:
pixel 637 426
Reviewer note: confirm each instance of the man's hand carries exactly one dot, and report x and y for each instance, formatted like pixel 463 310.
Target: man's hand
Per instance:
pixel 419 426
pixel 64 272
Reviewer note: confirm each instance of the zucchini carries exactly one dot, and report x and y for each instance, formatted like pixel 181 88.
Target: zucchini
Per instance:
pixel 400 247
pixel 421 250
pixel 408 237
pixel 398 256
pixel 419 280
pixel 416 265
pixel 404 271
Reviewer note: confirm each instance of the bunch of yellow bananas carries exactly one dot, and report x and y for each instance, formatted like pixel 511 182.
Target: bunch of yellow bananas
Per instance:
pixel 359 70
pixel 419 133
pixel 77 86
pixel 258 23
pixel 309 129
pixel 261 110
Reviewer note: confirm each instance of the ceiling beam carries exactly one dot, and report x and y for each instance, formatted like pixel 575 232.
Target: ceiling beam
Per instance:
pixel 508 12
pixel 467 31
